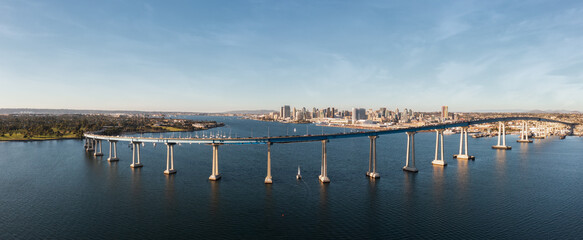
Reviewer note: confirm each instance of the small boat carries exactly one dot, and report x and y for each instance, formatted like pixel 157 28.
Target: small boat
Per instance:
pixel 299 176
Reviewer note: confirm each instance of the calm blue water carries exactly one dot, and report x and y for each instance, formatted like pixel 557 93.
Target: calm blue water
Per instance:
pixel 54 190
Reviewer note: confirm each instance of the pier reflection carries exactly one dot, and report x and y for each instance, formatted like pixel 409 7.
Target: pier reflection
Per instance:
pixel 438 183
pixel 136 184
pixel 462 175
pixel 214 198
pixel 269 204
pixel 373 197
pixel 501 160
pixel 409 189
pixel 112 172
pixel 324 217
pixel 323 195
pixel 524 155
pixel 524 149
pixel 169 189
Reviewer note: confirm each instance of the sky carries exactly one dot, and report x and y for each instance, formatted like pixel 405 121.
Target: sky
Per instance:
pixel 214 56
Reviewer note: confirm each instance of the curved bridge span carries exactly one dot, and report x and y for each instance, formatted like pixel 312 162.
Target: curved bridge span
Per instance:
pixel 311 138
pixel 93 143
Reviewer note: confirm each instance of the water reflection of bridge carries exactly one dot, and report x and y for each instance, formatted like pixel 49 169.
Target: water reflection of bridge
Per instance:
pixel 93 142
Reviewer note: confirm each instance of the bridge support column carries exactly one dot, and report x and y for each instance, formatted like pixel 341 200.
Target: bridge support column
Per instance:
pixel 136 155
pixel 268 178
pixel 86 144
pixel 464 151
pixel 98 146
pixel 502 136
pixel 324 168
pixel 438 139
pixel 372 158
pixel 410 162
pixel 114 148
pixel 89 145
pixel 524 133
pixel 169 159
pixel 215 171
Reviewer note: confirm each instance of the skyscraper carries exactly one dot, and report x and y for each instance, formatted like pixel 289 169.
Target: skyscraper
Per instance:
pixel 285 112
pixel 357 114
pixel 444 113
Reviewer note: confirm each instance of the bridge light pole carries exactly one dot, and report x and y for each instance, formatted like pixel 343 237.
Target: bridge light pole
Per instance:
pixel 438 139
pixel 410 162
pixel 170 159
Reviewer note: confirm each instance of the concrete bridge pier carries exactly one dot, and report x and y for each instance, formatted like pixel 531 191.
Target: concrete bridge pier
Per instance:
pixel 136 155
pixel 324 168
pixel 114 148
pixel 90 144
pixel 170 159
pixel 98 146
pixel 524 133
pixel 438 139
pixel 410 162
pixel 502 136
pixel 215 171
pixel 372 158
pixel 463 154
pixel 268 179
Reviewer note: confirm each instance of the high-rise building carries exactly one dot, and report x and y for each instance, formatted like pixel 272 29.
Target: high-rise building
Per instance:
pixel 383 112
pixel 444 113
pixel 358 114
pixel 284 112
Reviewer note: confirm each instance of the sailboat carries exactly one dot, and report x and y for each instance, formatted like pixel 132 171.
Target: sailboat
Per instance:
pixel 299 176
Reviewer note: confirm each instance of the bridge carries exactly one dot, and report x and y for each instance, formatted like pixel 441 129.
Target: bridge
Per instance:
pixel 93 142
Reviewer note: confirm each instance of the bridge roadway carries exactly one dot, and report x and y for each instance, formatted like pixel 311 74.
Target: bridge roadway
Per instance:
pixel 312 138
pixel 93 143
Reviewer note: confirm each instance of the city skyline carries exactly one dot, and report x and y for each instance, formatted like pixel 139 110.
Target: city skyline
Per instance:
pixel 214 57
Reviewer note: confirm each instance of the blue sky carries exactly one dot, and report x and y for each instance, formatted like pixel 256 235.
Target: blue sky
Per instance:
pixel 226 55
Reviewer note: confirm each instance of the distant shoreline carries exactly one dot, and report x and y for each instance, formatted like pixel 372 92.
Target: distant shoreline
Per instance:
pixel 125 133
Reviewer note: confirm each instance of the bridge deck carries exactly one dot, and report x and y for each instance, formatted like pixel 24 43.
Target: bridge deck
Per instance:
pixel 311 138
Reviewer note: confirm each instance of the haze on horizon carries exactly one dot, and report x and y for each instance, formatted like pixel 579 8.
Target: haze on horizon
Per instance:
pixel 213 56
